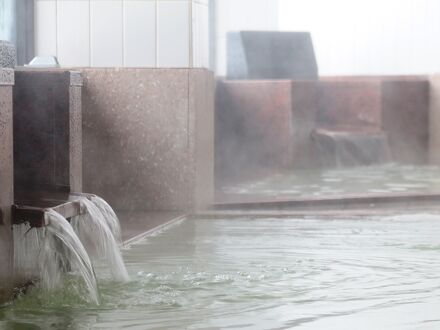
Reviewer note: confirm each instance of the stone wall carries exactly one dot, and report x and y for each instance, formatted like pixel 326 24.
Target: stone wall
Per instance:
pixel 434 120
pixel 148 137
pixel 6 180
pixel 405 118
pixel 269 123
pixel 253 128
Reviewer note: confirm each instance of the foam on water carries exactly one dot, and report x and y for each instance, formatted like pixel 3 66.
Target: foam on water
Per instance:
pixel 47 254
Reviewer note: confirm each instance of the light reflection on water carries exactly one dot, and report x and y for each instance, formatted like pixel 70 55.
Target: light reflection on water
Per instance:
pixel 379 179
pixel 261 274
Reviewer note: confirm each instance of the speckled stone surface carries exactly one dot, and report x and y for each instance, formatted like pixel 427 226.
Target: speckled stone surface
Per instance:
pixel 7 77
pixel 346 104
pixel 147 142
pixel 47 132
pixel 201 136
pixel 304 112
pixel 434 120
pixel 405 118
pixel 270 122
pixel 8 55
pixel 6 181
pixel 253 128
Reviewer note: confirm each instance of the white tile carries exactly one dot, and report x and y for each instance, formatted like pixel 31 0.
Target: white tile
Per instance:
pixel 45 27
pixel 196 40
pixel 204 18
pixel 173 33
pixel 139 33
pixel 202 2
pixel 73 33
pixel 200 38
pixel 106 33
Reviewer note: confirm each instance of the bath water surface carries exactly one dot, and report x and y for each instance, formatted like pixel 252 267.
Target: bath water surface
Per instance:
pixel 259 274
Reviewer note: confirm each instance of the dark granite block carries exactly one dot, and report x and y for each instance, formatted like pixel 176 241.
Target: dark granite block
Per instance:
pixel 271 55
pixel 47 132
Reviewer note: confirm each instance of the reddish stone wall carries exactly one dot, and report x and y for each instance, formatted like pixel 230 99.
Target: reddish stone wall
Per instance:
pixel 253 127
pixel 405 119
pixel 267 125
pixel 344 105
pixel 434 120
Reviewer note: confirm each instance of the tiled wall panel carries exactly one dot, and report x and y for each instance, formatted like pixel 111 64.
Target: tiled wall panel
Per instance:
pixel 173 33
pixel 139 33
pixel 106 33
pixel 73 37
pixel 45 27
pixel 200 33
pixel 129 33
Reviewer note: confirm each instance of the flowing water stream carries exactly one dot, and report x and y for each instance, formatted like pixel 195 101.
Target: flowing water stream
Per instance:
pixel 61 251
pixel 96 230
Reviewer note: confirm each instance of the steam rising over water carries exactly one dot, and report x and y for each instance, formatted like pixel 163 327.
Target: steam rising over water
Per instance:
pixel 368 180
pixel 263 274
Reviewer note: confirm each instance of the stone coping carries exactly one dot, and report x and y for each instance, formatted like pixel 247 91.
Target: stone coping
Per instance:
pixel 341 202
pixel 76 78
pixel 337 79
pixel 137 224
pixel 7 77
pixel 349 214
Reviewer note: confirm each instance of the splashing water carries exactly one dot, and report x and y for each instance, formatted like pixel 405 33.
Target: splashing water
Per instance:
pixel 70 253
pixel 96 229
pixel 27 243
pixel 48 253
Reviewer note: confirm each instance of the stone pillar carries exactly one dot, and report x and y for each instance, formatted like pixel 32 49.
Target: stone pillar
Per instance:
pixel 6 181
